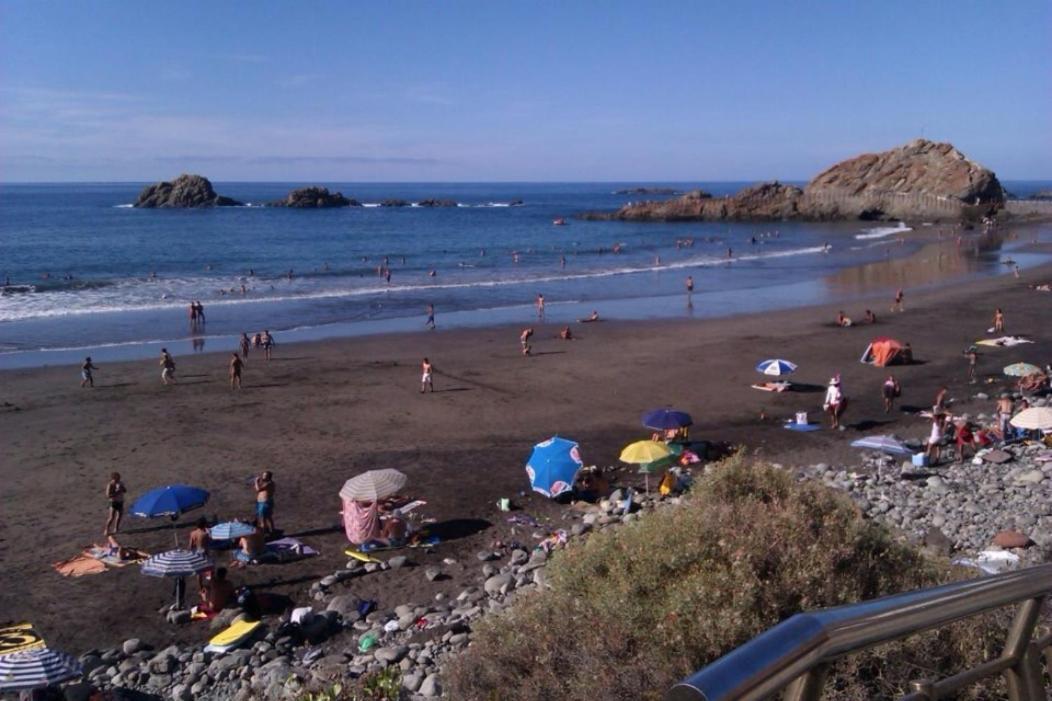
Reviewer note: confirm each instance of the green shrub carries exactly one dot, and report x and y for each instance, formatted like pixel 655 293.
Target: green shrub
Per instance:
pixel 385 685
pixel 637 608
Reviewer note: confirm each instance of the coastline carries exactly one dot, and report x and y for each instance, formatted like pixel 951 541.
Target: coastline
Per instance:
pixel 322 411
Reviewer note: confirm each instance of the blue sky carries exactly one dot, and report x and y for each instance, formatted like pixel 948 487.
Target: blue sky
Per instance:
pixel 476 91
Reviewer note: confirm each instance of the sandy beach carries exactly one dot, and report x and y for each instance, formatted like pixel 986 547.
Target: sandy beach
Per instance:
pixel 319 413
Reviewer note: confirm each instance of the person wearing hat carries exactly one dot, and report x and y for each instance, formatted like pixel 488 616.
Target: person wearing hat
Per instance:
pixel 835 401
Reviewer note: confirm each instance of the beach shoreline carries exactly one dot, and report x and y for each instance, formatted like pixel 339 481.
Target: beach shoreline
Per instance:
pixel 323 411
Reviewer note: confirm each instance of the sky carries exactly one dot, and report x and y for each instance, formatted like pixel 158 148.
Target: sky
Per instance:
pixel 586 90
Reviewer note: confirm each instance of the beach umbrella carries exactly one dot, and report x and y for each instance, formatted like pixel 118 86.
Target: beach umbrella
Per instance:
pixel 553 465
pixel 373 485
pixel 645 453
pixel 1021 369
pixel 776 367
pixel 885 444
pixel 665 419
pixel 230 530
pixel 176 563
pixel 1037 418
pixel 172 500
pixel 35 669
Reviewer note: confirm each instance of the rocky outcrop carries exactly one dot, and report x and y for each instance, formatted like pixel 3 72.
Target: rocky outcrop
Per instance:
pixel 315 198
pixel 647 191
pixel 920 180
pixel 395 203
pixel 766 201
pixel 184 192
pixel 432 202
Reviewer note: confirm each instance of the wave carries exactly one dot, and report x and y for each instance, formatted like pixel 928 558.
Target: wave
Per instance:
pixel 883 231
pixel 123 206
pixel 173 293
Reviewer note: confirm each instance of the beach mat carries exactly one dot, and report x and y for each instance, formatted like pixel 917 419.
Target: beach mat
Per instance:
pixel 802 428
pixel 19 637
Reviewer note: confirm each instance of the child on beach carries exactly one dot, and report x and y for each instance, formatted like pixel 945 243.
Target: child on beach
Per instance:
pixel 115 492
pixel 524 340
pixel 426 371
pixel 235 371
pixel 167 368
pixel 86 378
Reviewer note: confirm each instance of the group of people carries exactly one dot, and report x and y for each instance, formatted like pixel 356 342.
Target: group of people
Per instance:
pixel 197 314
pixel 844 321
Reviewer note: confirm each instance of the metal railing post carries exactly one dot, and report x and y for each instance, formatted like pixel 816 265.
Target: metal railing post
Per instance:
pixel 1024 677
pixel 808 686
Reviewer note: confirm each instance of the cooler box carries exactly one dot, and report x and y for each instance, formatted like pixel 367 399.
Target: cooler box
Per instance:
pixel 801 417
pixel 920 459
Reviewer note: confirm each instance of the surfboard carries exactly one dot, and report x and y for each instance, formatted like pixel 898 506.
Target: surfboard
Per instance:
pixel 238 633
pixel 359 555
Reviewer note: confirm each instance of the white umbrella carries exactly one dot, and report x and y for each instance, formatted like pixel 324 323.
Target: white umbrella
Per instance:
pixel 1037 418
pixel 373 485
pixel 886 444
pixel 34 669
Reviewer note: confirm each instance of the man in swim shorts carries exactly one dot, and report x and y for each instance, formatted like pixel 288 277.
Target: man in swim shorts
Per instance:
pixel 524 339
pixel 264 486
pixel 115 492
pixel 86 378
pixel 426 371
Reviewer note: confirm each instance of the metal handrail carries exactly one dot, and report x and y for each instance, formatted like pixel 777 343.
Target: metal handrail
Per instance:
pixel 795 654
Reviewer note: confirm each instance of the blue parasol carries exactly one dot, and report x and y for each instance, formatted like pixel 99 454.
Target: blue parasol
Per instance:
pixel 231 530
pixel 553 465
pixel 172 500
pixel 776 367
pixel 665 419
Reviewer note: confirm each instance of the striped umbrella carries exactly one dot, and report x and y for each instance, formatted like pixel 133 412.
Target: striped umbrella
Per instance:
pixel 231 529
pixel 35 669
pixel 1021 369
pixel 373 485
pixel 776 367
pixel 176 563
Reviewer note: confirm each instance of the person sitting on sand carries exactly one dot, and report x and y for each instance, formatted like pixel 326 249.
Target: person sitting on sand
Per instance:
pixel 199 537
pixel 871 318
pixel 566 334
pixel 835 402
pixel 250 548
pixel 216 592
pixel 594 316
pixel 842 320
pixel 368 522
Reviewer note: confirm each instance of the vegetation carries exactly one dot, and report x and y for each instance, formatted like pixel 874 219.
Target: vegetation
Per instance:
pixel 637 608
pixel 385 685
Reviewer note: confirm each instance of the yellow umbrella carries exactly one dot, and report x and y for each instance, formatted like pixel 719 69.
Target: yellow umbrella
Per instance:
pixel 1038 418
pixel 643 452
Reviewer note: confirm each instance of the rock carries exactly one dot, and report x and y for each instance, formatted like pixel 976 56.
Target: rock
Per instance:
pixel 181 692
pixel 391 655
pixel 646 191
pixel 497 584
pixel 431 687
pixel 519 557
pixel 432 573
pixel 397 562
pixel 937 541
pixel 394 202
pixel 1011 539
pixel 412 681
pixel 1030 477
pixel 937 485
pixel 132 646
pixel 315 198
pixel 997 457
pixel 178 616
pixel 436 203
pixel 919 180
pixel 346 605
pixel 186 191
pixel 487 556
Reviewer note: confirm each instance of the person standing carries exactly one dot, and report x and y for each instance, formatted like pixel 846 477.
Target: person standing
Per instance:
pixel 973 360
pixel 897 305
pixel 690 285
pixel 430 323
pixel 890 391
pixel 201 309
pixel 167 367
pixel 426 372
pixel 268 344
pixel 264 486
pixel 834 402
pixel 938 428
pixel 115 492
pixel 1004 416
pixel 999 321
pixel 193 314
pixel 235 371
pixel 539 303
pixel 245 345
pixel 86 378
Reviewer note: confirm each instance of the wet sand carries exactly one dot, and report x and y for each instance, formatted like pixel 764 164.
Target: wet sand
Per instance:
pixel 321 412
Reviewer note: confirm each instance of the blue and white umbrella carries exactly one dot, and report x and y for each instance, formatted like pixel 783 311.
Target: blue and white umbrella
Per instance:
pixel 35 669
pixel 231 529
pixel 172 500
pixel 553 465
pixel 885 444
pixel 176 563
pixel 776 367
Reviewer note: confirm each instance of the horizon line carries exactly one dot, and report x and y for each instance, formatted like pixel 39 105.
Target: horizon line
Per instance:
pixel 452 182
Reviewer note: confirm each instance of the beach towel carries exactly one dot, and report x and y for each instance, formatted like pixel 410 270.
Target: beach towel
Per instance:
pixel 105 555
pixel 287 550
pixel 771 386
pixel 79 566
pixel 802 428
pixel 406 508
pixel 361 523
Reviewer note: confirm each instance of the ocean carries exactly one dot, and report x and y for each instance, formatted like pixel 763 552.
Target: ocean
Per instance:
pixel 89 274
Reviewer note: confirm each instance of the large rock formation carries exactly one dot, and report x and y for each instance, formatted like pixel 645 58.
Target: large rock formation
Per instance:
pixel 921 180
pixel 433 202
pixel 184 191
pixel 315 198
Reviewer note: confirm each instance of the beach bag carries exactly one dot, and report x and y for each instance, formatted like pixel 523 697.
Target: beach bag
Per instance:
pixel 668 483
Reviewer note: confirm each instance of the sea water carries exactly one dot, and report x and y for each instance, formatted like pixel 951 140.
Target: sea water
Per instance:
pixel 89 273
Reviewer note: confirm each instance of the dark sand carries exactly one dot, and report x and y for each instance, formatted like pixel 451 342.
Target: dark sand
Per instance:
pixel 321 412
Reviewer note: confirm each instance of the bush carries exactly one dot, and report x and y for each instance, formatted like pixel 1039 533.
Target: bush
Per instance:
pixel 384 685
pixel 635 609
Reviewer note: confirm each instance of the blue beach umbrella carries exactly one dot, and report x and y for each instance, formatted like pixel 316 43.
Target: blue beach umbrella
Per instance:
pixel 665 419
pixel 553 465
pixel 231 529
pixel 776 367
pixel 36 669
pixel 172 500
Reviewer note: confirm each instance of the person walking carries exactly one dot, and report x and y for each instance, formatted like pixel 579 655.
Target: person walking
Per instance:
pixel 972 354
pixel 86 378
pixel 426 373
pixel 897 305
pixel 268 344
pixel 430 323
pixel 235 371
pixel 890 391
pixel 167 367
pixel 115 491
pixel 690 285
pixel 245 345
pixel 835 402
pixel 539 303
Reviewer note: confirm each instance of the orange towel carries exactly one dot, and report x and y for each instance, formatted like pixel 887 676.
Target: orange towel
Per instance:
pixel 79 566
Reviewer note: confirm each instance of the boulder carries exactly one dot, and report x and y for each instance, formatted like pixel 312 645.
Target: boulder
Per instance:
pixel 186 191
pixel 1011 539
pixel 432 202
pixel 315 198
pixel 394 202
